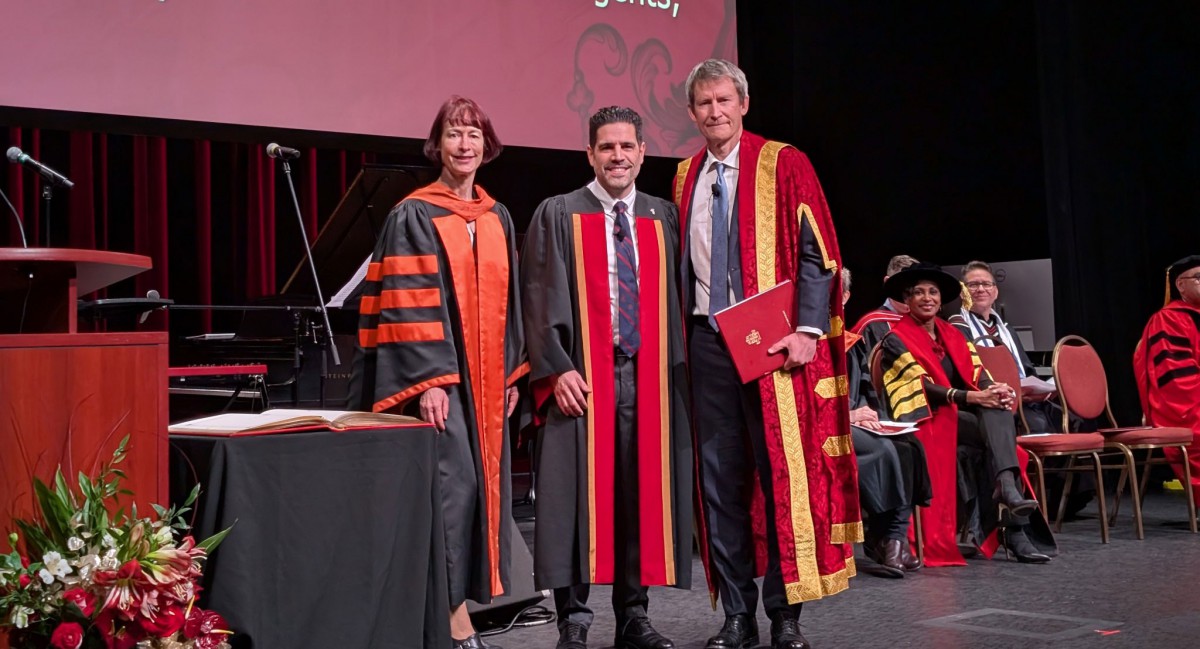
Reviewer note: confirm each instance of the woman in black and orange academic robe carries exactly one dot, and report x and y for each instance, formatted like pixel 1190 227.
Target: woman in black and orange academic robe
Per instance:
pixel 440 335
pixel 933 378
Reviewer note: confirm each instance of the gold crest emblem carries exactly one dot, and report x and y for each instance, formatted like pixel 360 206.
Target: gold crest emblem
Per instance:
pixel 753 338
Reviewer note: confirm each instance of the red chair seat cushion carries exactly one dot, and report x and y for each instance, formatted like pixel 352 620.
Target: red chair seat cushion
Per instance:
pixel 1061 442
pixel 1160 436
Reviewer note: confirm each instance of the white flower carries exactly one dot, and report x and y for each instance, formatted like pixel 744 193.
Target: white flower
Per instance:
pixel 74 544
pixel 109 561
pixel 46 576
pixel 20 617
pixel 108 541
pixel 55 563
pixel 163 536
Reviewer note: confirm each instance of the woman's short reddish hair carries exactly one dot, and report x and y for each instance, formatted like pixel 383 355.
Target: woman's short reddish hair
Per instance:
pixel 461 111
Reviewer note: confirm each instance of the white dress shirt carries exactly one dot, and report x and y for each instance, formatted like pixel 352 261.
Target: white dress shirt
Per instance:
pixel 610 220
pixel 700 228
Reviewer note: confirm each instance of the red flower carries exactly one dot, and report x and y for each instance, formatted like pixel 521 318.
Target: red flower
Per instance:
pixel 24 580
pixel 202 623
pixel 82 599
pixel 68 635
pixel 118 634
pixel 169 620
pixel 24 562
pixel 127 587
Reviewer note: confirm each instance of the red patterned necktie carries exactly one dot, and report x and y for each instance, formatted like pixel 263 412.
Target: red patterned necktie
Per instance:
pixel 627 287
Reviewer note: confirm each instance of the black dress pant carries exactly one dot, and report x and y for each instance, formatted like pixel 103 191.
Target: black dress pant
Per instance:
pixel 992 431
pixel 726 414
pixel 629 597
pixel 987 446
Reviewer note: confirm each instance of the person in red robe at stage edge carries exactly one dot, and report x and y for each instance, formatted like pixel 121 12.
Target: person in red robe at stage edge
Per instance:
pixel 1167 365
pixel 753 215
pixel 440 334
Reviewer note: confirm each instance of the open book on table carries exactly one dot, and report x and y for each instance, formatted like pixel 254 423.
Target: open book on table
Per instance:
pixel 285 419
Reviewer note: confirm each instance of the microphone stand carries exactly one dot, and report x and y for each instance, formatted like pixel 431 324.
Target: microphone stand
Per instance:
pixel 326 339
pixel 47 193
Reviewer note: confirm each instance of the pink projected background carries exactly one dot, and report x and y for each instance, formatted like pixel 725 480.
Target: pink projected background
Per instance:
pixel 374 67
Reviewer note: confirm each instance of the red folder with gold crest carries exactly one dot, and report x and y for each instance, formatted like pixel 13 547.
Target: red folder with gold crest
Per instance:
pixel 751 326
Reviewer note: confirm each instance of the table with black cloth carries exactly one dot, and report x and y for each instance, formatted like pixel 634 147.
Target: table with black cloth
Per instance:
pixel 337 537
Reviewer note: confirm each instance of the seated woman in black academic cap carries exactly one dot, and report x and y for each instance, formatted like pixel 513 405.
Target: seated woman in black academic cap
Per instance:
pixel 934 379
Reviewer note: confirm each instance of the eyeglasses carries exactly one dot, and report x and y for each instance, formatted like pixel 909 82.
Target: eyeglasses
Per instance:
pixel 975 286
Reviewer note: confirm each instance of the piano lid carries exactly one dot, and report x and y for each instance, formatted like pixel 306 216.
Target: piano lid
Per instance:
pixel 349 236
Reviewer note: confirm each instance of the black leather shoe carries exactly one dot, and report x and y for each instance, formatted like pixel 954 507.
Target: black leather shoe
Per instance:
pixel 785 633
pixel 886 554
pixel 738 632
pixel 910 561
pixel 572 636
pixel 474 641
pixel 1021 547
pixel 638 634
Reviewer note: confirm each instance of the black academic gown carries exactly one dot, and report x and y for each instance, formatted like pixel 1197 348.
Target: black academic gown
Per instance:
pixel 567 322
pixel 413 335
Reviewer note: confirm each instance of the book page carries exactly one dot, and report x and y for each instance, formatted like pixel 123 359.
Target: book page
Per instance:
pixel 233 422
pixel 236 421
pixel 1032 385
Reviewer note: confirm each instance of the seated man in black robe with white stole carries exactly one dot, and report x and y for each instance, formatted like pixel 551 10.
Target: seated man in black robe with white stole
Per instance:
pixel 614 462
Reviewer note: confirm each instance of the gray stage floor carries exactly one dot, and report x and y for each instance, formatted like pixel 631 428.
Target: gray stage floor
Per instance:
pixel 1128 593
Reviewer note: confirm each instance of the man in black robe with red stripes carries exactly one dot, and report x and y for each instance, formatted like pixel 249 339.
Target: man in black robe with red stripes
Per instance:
pixel 614 459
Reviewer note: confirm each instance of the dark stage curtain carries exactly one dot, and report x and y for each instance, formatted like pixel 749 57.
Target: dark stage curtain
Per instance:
pixel 215 217
pixel 1122 148
pixel 997 131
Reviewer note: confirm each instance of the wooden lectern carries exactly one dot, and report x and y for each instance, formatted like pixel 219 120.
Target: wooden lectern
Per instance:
pixel 67 398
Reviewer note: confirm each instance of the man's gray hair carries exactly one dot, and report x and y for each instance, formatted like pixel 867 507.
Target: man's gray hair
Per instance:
pixel 845 279
pixel 714 69
pixel 898 263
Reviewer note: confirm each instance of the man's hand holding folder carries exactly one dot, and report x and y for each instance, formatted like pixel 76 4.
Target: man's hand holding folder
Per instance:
pixel 750 326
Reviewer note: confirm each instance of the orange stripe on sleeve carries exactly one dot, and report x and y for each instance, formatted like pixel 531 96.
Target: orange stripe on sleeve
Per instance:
pixel 411 332
pixel 401 397
pixel 516 375
pixel 368 338
pixel 410 298
pixel 369 305
pixel 374 271
pixel 410 265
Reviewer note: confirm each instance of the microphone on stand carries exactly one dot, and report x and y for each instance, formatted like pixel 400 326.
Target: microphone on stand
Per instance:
pixel 16 156
pixel 282 152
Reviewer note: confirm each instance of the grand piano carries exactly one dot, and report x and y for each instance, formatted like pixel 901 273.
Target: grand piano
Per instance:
pixel 277 356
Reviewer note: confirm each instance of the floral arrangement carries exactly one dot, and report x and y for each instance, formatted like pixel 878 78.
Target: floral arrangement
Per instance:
pixel 87 580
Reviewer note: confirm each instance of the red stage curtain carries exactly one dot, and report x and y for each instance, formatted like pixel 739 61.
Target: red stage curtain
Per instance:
pixel 215 217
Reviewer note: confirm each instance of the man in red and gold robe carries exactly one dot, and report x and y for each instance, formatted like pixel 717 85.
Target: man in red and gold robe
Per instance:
pixel 1167 365
pixel 775 460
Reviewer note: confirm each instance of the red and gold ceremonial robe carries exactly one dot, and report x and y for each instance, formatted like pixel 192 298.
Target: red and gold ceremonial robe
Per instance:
pixel 441 308
pixel 805 411
pixel 1167 365
pixel 567 312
